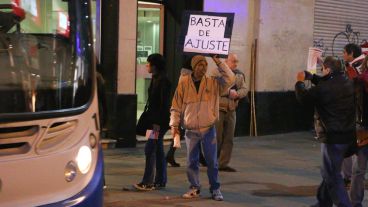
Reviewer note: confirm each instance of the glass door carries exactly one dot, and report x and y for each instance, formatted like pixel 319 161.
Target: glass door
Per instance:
pixel 149 40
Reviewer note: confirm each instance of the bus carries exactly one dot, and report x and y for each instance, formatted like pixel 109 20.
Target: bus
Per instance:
pixel 50 152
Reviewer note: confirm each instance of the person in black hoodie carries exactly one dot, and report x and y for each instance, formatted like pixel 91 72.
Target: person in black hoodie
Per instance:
pixel 155 173
pixel 333 99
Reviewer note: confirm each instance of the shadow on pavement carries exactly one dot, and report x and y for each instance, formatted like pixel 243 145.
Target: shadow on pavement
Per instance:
pixel 278 190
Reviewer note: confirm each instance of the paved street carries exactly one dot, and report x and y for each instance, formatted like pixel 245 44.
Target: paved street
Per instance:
pixel 273 171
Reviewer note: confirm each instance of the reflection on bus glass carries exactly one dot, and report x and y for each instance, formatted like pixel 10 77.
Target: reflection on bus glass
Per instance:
pixel 43 65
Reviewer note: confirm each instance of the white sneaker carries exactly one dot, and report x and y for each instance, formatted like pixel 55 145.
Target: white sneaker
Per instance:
pixel 217 196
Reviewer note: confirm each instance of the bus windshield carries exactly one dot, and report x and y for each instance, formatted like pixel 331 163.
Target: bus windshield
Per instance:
pixel 45 55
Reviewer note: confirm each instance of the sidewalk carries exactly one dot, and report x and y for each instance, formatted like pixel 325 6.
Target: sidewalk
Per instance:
pixel 273 171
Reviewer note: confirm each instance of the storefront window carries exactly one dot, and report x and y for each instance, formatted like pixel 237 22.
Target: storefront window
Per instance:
pixel 148 33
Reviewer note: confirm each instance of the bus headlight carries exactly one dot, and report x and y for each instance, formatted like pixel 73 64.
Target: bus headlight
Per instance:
pixel 84 159
pixel 70 171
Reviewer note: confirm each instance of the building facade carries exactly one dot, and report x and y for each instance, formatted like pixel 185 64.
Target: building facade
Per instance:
pixel 283 29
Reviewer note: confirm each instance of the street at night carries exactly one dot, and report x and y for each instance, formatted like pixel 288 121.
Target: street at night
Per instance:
pixel 273 171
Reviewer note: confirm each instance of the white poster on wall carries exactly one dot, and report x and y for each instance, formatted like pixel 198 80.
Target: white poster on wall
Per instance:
pixel 314 58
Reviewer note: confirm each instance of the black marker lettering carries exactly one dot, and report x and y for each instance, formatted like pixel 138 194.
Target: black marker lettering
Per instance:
pixel 222 23
pixel 208 22
pixel 203 45
pixel 189 42
pixel 212 45
pixel 225 46
pixel 214 22
pixel 192 20
pixel 201 32
pixel 200 22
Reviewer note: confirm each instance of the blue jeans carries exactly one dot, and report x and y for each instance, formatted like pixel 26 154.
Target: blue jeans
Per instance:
pixel 209 145
pixel 357 180
pixel 155 159
pixel 332 190
pixel 347 168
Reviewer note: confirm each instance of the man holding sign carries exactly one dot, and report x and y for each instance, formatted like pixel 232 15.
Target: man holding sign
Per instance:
pixel 196 105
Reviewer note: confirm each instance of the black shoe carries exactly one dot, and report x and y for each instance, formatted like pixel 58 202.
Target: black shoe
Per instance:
pixel 203 162
pixel 227 169
pixel 173 163
pixel 144 187
pixel 347 183
pixel 159 186
pixel 366 184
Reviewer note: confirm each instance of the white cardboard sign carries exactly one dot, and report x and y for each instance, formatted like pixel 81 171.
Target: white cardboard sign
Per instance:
pixel 206 35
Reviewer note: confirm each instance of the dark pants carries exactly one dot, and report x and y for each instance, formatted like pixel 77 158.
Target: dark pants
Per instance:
pixel 155 160
pixel 332 190
pixel 357 180
pixel 347 168
pixel 170 156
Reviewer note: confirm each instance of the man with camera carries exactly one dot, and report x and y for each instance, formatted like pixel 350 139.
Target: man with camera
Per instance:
pixel 333 99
